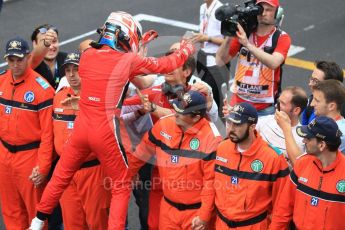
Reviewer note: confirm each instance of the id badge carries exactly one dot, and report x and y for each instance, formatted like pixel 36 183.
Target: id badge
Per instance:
pixel 234 180
pixel 8 109
pixel 70 125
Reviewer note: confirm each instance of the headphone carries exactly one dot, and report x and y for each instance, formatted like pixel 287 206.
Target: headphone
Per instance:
pixel 279 15
pixel 169 90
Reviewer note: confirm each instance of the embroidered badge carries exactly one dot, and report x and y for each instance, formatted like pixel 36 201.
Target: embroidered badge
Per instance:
pixel 29 96
pixel 341 186
pixel 194 143
pixel 222 159
pixel 165 135
pixel 42 83
pixel 257 165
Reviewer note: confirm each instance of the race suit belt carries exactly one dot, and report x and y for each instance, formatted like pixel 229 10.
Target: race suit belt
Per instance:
pixel 89 164
pixel 182 207
pixel 236 224
pixel 18 148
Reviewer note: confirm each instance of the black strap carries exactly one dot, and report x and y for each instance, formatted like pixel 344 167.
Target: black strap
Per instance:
pixel 275 38
pixel 18 148
pixel 182 207
pixel 89 164
pixel 236 224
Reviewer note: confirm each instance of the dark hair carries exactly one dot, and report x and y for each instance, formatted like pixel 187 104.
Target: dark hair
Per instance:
pixel 37 31
pixel 299 97
pixel 334 146
pixel 331 70
pixel 333 90
pixel 190 63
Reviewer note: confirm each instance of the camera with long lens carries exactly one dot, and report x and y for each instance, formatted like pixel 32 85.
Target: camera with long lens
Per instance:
pixel 246 16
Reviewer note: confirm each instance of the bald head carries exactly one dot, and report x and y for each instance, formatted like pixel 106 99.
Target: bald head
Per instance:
pixel 175 46
pixel 84 45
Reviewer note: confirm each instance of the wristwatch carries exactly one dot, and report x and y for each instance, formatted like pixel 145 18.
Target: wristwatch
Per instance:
pixel 153 107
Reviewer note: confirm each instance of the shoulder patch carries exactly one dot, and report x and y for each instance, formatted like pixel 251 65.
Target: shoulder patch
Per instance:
pixel 277 150
pixel 214 129
pixel 2 72
pixel 42 83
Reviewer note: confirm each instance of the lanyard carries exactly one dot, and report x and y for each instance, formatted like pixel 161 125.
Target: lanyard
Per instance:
pixel 56 74
pixel 255 38
pixel 207 14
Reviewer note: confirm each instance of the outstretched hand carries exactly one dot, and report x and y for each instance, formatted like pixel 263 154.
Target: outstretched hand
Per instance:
pixel 71 102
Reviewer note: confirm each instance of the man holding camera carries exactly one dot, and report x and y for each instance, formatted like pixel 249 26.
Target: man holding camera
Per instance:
pixel 258 72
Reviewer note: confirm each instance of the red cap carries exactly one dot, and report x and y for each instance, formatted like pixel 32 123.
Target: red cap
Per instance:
pixel 274 3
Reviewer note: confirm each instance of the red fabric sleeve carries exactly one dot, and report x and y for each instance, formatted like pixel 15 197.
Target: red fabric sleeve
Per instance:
pixel 283 44
pixel 165 64
pixel 234 47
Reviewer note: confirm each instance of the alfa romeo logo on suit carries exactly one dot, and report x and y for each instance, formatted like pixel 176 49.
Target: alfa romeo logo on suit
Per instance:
pixel 257 165
pixel 341 186
pixel 29 96
pixel 194 143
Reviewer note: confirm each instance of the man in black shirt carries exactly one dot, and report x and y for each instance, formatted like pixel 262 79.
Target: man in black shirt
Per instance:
pixel 48 58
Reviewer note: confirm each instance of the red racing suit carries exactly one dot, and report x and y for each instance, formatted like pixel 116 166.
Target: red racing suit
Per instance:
pixel 88 183
pixel 185 161
pixel 26 134
pixel 314 197
pixel 105 74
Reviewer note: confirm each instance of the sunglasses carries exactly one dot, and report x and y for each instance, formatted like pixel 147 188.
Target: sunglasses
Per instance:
pixel 44 30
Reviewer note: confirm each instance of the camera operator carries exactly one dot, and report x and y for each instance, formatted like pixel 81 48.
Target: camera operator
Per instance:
pixel 260 56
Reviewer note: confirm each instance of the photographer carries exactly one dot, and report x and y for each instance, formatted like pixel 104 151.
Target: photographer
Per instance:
pixel 258 71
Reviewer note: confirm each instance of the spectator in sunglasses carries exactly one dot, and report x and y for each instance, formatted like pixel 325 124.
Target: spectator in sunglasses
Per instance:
pixel 324 70
pixel 46 58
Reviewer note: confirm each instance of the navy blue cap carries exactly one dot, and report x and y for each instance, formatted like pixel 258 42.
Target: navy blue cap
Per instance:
pixel 193 102
pixel 17 47
pixel 71 58
pixel 321 127
pixel 243 113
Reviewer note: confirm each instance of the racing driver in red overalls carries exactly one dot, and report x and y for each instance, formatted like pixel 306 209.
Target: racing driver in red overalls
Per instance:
pixel 106 70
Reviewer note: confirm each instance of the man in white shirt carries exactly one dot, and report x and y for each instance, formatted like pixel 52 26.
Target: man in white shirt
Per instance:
pixel 210 38
pixel 292 102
